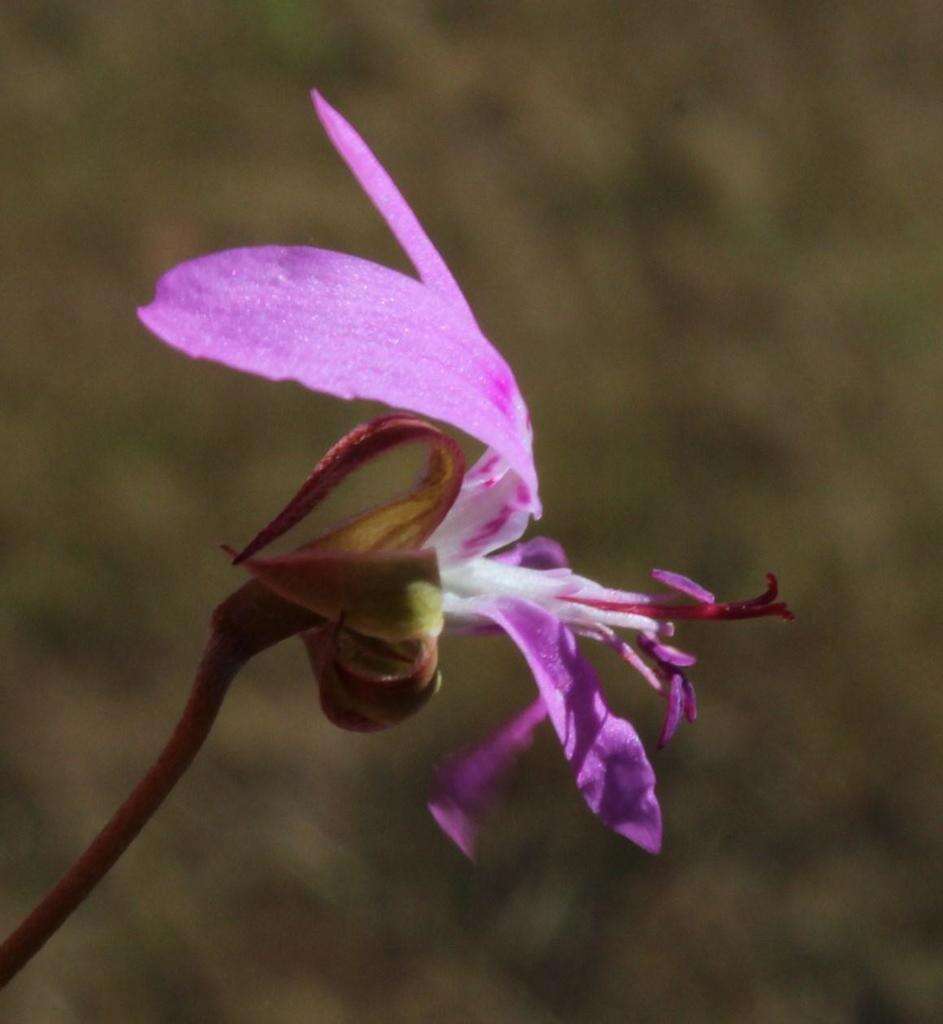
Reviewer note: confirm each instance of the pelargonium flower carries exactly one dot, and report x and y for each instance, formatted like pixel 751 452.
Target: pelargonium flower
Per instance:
pixel 370 597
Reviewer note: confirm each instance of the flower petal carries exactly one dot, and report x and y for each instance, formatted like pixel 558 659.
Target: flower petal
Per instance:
pixel 492 510
pixel 389 202
pixel 348 327
pixel 672 711
pixel 466 784
pixel 536 553
pixel 605 752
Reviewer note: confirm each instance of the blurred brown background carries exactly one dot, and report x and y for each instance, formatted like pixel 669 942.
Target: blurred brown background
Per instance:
pixel 709 239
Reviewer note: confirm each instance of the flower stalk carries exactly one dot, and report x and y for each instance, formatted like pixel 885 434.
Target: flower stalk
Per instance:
pixel 223 658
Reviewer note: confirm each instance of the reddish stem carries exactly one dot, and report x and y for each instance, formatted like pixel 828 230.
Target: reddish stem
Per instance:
pixel 221 661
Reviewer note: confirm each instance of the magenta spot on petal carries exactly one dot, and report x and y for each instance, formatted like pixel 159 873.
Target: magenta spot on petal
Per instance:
pixel 486 472
pixel 502 393
pixel 484 468
pixel 487 531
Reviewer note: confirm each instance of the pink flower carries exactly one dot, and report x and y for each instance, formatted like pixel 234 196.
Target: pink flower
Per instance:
pixel 349 327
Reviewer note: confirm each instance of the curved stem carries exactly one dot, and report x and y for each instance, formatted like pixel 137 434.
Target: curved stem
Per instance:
pixel 222 659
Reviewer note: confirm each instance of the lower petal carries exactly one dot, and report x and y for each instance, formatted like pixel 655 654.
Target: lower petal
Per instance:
pixel 604 751
pixel 466 784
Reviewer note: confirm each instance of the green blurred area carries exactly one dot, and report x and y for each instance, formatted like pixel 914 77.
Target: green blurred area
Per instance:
pixel 709 239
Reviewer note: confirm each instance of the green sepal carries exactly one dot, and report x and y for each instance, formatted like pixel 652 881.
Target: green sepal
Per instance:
pixel 390 595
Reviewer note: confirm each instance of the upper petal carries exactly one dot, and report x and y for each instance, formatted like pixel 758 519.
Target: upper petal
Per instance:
pixel 393 208
pixel 607 757
pixel 348 327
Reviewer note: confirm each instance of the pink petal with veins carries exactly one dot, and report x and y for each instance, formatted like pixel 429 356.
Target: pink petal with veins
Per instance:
pixel 349 327
pixel 345 326
pixel 492 510
pixel 389 202
pixel 605 753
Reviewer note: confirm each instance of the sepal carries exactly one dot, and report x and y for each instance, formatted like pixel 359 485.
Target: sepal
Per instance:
pixel 388 595
pixel 367 684
pixel 401 524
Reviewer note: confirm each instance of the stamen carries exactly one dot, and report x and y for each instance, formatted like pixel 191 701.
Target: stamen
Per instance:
pixel 665 654
pixel 676 687
pixel 676 703
pixel 690 699
pixel 626 652
pixel 757 607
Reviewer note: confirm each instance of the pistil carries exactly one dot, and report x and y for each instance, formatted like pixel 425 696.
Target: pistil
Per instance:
pixel 754 608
